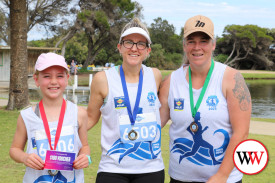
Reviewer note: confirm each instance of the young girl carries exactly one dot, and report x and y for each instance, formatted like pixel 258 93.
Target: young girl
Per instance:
pixel 53 124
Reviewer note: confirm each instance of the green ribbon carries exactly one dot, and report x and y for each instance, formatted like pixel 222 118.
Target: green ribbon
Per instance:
pixel 206 82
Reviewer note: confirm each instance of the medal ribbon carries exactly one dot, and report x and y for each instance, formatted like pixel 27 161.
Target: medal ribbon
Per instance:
pixel 126 96
pixel 206 82
pixel 46 124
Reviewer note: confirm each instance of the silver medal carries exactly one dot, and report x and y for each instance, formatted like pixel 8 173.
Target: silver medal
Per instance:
pixel 53 172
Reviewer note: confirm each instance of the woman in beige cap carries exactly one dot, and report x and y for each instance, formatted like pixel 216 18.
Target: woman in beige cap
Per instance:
pixel 126 98
pixel 209 105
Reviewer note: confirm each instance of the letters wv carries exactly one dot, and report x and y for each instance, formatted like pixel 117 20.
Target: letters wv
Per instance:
pixel 249 157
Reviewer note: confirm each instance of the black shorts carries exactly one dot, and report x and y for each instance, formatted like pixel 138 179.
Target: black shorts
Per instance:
pixel 177 181
pixel 154 177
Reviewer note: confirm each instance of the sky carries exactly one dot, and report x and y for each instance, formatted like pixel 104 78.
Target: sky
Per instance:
pixel 222 13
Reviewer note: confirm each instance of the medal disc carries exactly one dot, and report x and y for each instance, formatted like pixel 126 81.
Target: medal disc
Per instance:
pixel 194 127
pixel 53 172
pixel 132 135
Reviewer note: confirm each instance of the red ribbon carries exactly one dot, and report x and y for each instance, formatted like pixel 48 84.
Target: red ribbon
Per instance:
pixel 46 124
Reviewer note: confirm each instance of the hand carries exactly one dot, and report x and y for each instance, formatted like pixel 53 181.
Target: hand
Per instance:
pixel 217 178
pixel 33 161
pixel 81 161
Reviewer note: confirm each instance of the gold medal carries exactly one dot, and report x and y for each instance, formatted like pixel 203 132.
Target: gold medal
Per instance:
pixel 53 172
pixel 132 135
pixel 194 127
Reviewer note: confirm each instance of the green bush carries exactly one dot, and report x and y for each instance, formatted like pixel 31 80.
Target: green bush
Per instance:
pixel 221 58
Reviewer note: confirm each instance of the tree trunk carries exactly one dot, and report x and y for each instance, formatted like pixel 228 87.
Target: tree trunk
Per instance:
pixel 18 91
pixel 262 60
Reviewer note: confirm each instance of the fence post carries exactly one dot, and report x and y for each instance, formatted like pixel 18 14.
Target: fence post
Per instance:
pixel 90 79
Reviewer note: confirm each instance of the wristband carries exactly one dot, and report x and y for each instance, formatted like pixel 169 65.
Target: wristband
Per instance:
pixel 89 158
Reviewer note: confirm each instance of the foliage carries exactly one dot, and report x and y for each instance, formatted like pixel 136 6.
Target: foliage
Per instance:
pixel 221 58
pixel 247 47
pixel 41 13
pixel 77 48
pixel 164 33
pixel 156 58
pixel 101 22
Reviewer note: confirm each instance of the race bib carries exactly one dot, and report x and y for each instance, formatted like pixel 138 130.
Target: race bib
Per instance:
pixel 65 143
pixel 145 127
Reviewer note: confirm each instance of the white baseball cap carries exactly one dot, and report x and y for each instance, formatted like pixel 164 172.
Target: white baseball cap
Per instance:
pixel 136 30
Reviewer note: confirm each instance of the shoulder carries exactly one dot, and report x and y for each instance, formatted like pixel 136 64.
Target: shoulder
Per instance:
pixel 157 74
pixel 234 83
pixel 100 77
pixel 165 87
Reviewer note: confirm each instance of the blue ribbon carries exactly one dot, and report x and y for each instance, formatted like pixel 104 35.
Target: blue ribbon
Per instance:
pixel 126 96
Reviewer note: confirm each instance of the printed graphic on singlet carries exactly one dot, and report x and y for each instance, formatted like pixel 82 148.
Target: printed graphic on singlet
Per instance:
pixel 151 98
pixel 199 151
pixel 212 101
pixel 139 150
pixel 119 102
pixel 33 143
pixel 65 143
pixel 58 178
pixel 178 104
pixel 145 127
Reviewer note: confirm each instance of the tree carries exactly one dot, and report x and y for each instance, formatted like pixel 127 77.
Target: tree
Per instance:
pixel 249 45
pixel 102 21
pixel 39 12
pixel 18 91
pixel 164 33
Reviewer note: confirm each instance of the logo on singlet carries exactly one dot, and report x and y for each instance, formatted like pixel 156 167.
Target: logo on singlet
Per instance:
pixel 119 102
pixel 212 102
pixel 151 98
pixel 178 104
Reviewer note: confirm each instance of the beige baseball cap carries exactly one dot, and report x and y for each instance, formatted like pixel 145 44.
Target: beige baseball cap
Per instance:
pixel 199 23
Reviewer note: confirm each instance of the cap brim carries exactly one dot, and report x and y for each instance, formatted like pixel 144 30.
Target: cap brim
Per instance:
pixel 136 30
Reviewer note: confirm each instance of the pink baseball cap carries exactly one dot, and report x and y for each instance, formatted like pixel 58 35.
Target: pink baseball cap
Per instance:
pixel 46 60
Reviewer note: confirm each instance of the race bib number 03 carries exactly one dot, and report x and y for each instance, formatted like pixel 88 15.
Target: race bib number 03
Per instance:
pixel 145 127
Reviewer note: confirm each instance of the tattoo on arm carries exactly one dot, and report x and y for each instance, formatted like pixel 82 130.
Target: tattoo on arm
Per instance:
pixel 241 92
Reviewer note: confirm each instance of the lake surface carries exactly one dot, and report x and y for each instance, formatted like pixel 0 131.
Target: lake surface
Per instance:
pixel 262 93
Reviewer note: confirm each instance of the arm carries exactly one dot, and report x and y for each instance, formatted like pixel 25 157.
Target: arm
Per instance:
pixel 82 160
pixel 239 107
pixel 17 148
pixel 99 91
pixel 163 97
pixel 158 77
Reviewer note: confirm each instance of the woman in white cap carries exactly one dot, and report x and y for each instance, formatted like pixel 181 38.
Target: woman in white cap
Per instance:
pixel 126 97
pixel 209 105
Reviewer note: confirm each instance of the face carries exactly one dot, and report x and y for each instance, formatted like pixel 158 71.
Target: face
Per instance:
pixel 52 81
pixel 198 48
pixel 133 56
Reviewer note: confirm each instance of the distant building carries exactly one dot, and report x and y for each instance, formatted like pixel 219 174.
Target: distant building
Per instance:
pixel 33 53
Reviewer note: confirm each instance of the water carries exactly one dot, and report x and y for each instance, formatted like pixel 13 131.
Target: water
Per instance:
pixel 263 98
pixel 262 93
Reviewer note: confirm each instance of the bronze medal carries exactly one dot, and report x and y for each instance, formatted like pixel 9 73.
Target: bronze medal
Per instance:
pixel 132 135
pixel 53 172
pixel 194 127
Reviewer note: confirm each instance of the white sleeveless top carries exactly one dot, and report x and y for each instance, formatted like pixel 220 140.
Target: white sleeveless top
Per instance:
pixel 38 143
pixel 130 157
pixel 192 155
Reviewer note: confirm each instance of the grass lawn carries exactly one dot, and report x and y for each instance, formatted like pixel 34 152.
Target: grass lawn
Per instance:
pixel 12 172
